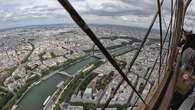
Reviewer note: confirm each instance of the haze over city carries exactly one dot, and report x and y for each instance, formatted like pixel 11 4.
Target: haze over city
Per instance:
pixel 16 13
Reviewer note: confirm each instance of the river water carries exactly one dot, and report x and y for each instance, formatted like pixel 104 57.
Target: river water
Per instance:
pixel 36 96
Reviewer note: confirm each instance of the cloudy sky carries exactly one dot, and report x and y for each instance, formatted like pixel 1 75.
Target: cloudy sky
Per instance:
pixel 14 13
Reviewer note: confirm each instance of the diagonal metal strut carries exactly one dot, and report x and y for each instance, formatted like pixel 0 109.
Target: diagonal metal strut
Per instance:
pixel 161 42
pixel 81 23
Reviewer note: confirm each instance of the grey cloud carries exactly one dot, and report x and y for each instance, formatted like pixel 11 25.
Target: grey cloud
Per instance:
pixel 142 9
pixel 131 9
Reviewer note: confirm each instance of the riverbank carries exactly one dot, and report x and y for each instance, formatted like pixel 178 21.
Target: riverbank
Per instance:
pixel 22 92
pixel 53 80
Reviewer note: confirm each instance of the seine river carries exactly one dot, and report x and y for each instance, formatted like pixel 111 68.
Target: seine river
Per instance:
pixel 36 96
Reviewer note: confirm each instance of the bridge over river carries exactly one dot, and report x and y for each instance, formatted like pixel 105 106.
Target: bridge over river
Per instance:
pixel 65 73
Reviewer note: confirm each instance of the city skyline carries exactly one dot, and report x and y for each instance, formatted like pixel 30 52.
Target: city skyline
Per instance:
pixel 120 12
